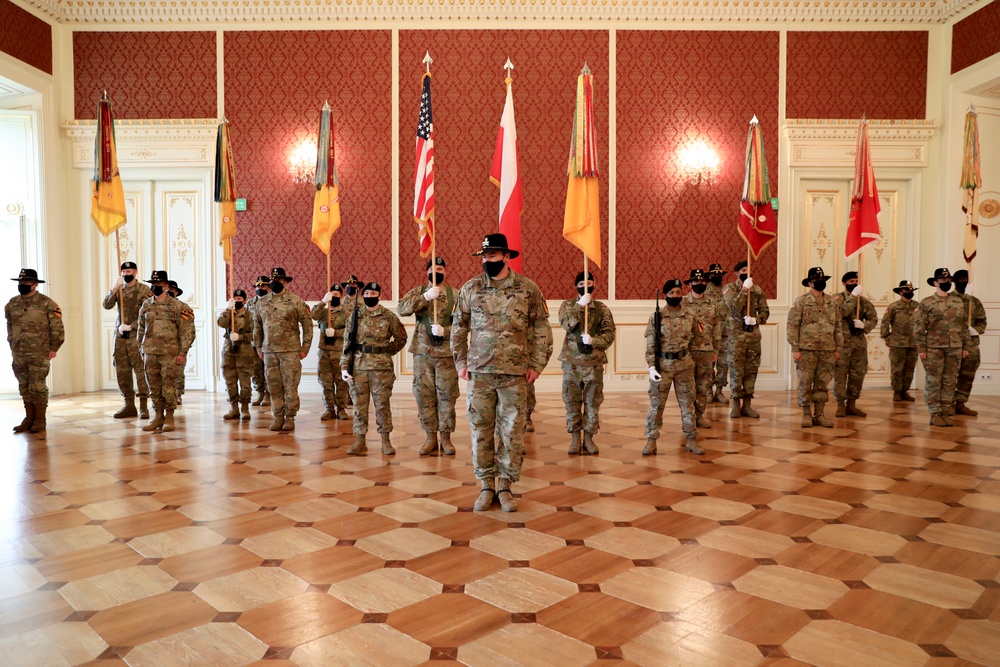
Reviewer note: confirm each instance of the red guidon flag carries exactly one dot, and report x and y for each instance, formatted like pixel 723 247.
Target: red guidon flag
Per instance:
pixel 863 229
pixel 506 175
pixel 758 224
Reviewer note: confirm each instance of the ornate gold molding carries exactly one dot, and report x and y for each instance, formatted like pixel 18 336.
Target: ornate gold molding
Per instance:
pixel 847 128
pixel 150 143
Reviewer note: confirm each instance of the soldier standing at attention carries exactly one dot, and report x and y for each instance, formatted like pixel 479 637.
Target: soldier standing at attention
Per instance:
pixel 511 341
pixel 164 333
pixel 375 336
pixel 331 346
pixel 435 380
pixel 583 356
pixel 706 343
pixel 975 317
pixel 852 365
pixel 943 340
pixel 815 335
pixel 237 354
pixel 744 339
pixel 35 333
pixel 279 320
pixel 897 332
pixel 176 292
pixel 127 295
pixel 262 287
pixel 714 292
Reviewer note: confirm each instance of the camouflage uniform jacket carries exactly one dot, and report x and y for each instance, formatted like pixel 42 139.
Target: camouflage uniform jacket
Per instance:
pixel 132 297
pixel 602 333
pixel 710 315
pixel 715 293
pixel 848 310
pixel 678 327
pixel 941 322
pixel 509 326
pixel 165 327
pixel 318 313
pixel 897 323
pixel 379 330
pixel 414 303
pixel 814 324
pixel 34 324
pixel 978 316
pixel 189 313
pixel 277 320
pixel 251 307
pixel 736 302
pixel 244 327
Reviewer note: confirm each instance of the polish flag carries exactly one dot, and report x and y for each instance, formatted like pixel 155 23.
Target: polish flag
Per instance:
pixel 506 175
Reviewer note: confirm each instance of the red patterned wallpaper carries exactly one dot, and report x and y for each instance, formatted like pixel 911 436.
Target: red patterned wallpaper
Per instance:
pixel 974 38
pixel 468 97
pixel 847 74
pixel 27 38
pixel 276 83
pixel 675 88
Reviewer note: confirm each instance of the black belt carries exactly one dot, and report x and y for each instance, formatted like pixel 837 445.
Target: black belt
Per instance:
pixel 374 349
pixel 670 356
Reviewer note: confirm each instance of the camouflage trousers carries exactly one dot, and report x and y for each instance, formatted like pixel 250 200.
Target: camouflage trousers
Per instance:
pixel 850 369
pixel 236 371
pixel 377 385
pixel 435 386
pixel 258 379
pixel 902 363
pixel 815 371
pixel 704 377
pixel 128 362
pixel 30 370
pixel 283 371
pixel 496 402
pixel 583 393
pixel 684 387
pixel 529 401
pixel 161 375
pixel 744 361
pixel 967 375
pixel 179 383
pixel 335 390
pixel 722 364
pixel 941 377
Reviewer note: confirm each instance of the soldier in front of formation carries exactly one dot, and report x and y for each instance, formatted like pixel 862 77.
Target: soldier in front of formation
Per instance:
pixel 237 354
pixel 748 310
pixel 975 317
pixel 282 335
pixel 35 333
pixel 176 292
pixel 668 340
pixel 331 347
pixel 583 356
pixel 897 332
pixel 262 287
pixel 127 295
pixel 374 336
pixel 942 337
pixel 858 317
pixel 815 334
pixel 706 343
pixel 435 379
pixel 714 292
pixel 164 333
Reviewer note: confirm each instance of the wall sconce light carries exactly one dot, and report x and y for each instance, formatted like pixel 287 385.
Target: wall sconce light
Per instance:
pixel 699 163
pixel 302 163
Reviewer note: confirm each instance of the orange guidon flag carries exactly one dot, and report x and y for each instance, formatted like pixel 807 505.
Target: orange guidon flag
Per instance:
pixel 225 190
pixel 107 204
pixel 326 205
pixel 582 222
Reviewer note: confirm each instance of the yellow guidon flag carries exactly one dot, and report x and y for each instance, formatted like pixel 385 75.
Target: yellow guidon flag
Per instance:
pixel 582 222
pixel 107 204
pixel 225 190
pixel 326 206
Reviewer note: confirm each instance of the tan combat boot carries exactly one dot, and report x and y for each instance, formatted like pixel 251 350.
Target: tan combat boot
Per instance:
pixel 279 421
pixel 504 495
pixel 157 421
pixel 446 446
pixel 734 410
pixel 245 410
pixel 342 414
pixel 748 411
pixel 38 425
pixel 963 409
pixel 128 410
pixel 289 424
pixel 485 499
pixel 529 427
pixel 359 447
pixel 29 417
pixel 938 419
pixel 841 409
pixel 693 447
pixel 430 444
pixel 853 410
pixel 575 443
pixel 168 421
pixel 807 418
pixel 387 447
pixel 897 396
pixel 234 412
pixel 328 415
pixel 819 419
pixel 650 447
pixel 143 407
pixel 588 443
pixel 265 400
pixel 905 395
pixel 701 421
pixel 260 397
pixel 717 396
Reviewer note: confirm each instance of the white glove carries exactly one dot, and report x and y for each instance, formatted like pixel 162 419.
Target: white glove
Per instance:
pixel 748 283
pixel 432 293
pixel 749 321
pixel 856 291
pixel 859 324
pixel 327 297
pixel 128 327
pixel 968 289
pixel 653 375
pixel 231 304
pixel 585 300
pixel 345 376
pixel 234 337
pixel 119 282
pixel 330 332
pixel 437 330
pixel 972 330
pixel 586 339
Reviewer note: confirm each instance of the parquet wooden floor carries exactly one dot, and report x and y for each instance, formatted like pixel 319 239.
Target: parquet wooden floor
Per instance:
pixel 873 543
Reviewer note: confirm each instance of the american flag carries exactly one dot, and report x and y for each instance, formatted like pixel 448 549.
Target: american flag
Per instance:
pixel 423 185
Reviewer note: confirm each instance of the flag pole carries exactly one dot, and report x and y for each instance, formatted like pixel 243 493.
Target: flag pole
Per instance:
pixel 427 63
pixel 232 289
pixel 329 283
pixel 121 297
pixel 586 309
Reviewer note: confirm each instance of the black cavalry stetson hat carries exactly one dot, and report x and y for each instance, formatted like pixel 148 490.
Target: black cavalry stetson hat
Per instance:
pixel 352 280
pixel 904 285
pixel 939 274
pixel 172 284
pixel 262 281
pixel 28 274
pixel 717 269
pixel 158 277
pixel 496 242
pixel 696 274
pixel 815 273
pixel 279 272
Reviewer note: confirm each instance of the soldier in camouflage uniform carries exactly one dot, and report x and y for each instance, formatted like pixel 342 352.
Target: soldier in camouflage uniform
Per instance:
pixel 279 320
pixel 262 287
pixel 331 346
pixel 815 334
pixel 376 335
pixel 35 333
pixel 583 356
pixel 897 332
pixel 714 292
pixel 975 317
pixel 164 332
pixel 128 293
pixel 942 335
pixel 852 365
pixel 511 342
pixel 707 342
pixel 176 292
pixel 435 380
pixel 744 339
pixel 669 362
pixel 237 354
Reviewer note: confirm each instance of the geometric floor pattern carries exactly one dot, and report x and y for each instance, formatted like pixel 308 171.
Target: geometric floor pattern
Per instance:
pixel 873 543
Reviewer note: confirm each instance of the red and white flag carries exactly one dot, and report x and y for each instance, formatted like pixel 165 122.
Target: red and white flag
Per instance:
pixel 423 182
pixel 863 229
pixel 506 175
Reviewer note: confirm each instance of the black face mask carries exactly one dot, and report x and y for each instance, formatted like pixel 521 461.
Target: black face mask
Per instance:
pixel 944 287
pixel 716 280
pixel 742 277
pixel 277 286
pixel 906 295
pixel 673 301
pixel 699 289
pixel 961 287
pixel 371 301
pixel 335 301
pixel 23 289
pixel 819 285
pixel 261 292
pixel 493 269
pixel 128 278
pixel 352 290
pixel 238 305
pixel 157 290
pixel 437 278
pixel 582 290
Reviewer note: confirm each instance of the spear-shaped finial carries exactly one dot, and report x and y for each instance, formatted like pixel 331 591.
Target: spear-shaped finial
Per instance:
pixel 754 121
pixel 104 98
pixel 508 66
pixel 427 61
pixel 326 105
pixel 972 108
pixel 586 70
